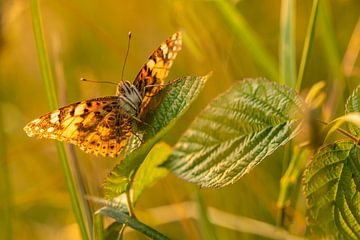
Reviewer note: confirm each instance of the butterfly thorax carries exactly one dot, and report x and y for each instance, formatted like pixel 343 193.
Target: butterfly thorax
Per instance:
pixel 129 97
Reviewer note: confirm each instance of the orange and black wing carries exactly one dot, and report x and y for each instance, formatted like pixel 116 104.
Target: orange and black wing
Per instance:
pixel 157 67
pixel 97 126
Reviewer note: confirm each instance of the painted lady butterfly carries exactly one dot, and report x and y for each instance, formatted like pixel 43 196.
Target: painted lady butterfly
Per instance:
pixel 104 125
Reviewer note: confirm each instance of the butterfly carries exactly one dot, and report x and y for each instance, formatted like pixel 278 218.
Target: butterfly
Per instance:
pixel 103 126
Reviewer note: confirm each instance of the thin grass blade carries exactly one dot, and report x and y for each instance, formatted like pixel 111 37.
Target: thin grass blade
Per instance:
pixel 52 102
pixel 309 38
pixel 287 52
pixel 243 33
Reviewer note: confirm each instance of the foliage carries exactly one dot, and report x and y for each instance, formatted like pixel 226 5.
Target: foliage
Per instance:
pixel 331 185
pixel 236 132
pixel 258 139
pixel 172 105
pixel 241 128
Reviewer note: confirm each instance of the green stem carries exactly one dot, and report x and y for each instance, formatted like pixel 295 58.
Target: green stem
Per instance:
pixel 289 181
pixel 129 203
pixel 347 134
pixel 5 188
pixel 52 101
pixel 132 222
pixel 206 227
pixel 244 33
pixel 121 232
pixel 98 227
pixel 287 43
pixel 307 44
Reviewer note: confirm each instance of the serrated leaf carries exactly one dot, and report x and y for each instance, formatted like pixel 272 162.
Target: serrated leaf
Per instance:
pixel 175 101
pixel 353 105
pixel 149 172
pixel 332 190
pixel 236 132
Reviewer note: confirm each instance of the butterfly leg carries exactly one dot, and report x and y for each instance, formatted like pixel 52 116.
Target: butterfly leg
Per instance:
pixel 142 122
pixel 137 136
pixel 161 85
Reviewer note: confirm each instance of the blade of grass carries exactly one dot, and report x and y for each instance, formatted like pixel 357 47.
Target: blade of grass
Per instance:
pixel 244 34
pixel 331 51
pixel 166 214
pixel 309 38
pixel 52 102
pixel 328 39
pixel 78 177
pixel 290 179
pixel 207 229
pixel 5 187
pixel 352 51
pixel 6 196
pixel 287 52
pixel 287 63
pixel 98 227
pixel 287 55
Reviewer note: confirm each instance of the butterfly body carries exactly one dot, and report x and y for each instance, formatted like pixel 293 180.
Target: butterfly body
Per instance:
pixel 129 98
pixel 102 126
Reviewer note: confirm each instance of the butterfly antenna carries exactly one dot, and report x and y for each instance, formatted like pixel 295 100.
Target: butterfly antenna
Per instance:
pixel 87 80
pixel 127 53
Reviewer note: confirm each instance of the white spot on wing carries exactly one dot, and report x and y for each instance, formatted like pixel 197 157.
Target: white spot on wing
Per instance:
pixel 36 121
pixel 79 109
pixel 164 48
pixel 54 117
pixel 150 64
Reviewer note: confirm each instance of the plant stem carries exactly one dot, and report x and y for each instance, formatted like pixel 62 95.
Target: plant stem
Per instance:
pixel 52 101
pixel 129 203
pixel 131 222
pixel 347 134
pixel 289 179
pixel 98 227
pixel 206 227
pixel 287 44
pixel 5 187
pixel 245 34
pixel 309 38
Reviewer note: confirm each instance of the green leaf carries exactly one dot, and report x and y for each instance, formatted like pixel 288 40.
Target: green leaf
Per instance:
pixel 332 190
pixel 124 218
pixel 353 105
pixel 175 100
pixel 149 172
pixel 236 132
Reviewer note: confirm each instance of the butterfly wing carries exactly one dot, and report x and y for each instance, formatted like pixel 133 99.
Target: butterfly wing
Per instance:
pixel 97 126
pixel 156 69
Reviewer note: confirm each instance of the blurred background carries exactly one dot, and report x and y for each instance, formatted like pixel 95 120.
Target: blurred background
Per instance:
pixel 89 39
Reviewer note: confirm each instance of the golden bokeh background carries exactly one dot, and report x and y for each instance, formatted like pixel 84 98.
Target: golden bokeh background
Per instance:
pixel 89 39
